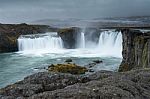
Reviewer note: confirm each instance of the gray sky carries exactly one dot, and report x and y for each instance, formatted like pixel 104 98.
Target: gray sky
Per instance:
pixel 12 11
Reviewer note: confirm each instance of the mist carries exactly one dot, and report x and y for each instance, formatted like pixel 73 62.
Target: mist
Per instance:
pixel 19 11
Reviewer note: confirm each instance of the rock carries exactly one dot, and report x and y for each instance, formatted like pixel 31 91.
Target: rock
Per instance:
pixel 68 68
pixel 90 65
pixel 90 70
pixel 118 86
pixel 69 36
pixel 38 83
pixel 102 85
pixel 68 60
pixel 9 33
pixel 136 50
pixel 97 61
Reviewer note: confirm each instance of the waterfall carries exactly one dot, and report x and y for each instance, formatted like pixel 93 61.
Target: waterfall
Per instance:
pixel 40 41
pixel 82 41
pixel 110 43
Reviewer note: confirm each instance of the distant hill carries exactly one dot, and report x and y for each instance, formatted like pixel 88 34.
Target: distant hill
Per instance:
pixel 70 22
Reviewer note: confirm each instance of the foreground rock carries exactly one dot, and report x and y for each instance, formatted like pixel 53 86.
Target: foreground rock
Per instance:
pixel 101 85
pixel 68 68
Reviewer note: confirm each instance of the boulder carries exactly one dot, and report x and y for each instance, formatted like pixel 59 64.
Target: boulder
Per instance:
pixel 68 68
pixel 98 61
pixel 68 60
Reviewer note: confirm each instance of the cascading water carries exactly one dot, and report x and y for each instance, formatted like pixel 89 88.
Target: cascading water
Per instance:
pixel 39 41
pixel 81 41
pixel 110 43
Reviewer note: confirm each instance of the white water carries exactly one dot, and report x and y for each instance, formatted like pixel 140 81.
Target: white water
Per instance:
pixel 82 41
pixel 39 42
pixel 110 45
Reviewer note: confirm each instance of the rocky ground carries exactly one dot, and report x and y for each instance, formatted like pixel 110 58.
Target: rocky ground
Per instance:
pixel 134 84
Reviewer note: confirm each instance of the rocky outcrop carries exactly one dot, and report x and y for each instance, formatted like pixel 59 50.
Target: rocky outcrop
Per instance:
pixel 136 50
pixel 101 85
pixel 69 36
pixel 9 34
pixel 68 68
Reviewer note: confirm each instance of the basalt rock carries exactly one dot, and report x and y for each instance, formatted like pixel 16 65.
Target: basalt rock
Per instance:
pixel 68 60
pixel 9 34
pixel 136 50
pixel 100 85
pixel 69 36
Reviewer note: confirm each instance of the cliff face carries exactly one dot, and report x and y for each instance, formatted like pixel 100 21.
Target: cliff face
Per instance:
pixel 9 34
pixel 69 36
pixel 136 50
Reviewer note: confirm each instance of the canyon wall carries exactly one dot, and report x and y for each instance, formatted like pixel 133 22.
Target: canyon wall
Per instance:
pixel 69 36
pixel 9 34
pixel 136 50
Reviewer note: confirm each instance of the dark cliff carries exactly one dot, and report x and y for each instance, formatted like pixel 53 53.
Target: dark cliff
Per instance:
pixel 9 34
pixel 69 36
pixel 136 50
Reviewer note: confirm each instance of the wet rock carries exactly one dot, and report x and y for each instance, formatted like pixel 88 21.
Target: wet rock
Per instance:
pixel 136 48
pixel 68 60
pixel 69 36
pixel 68 68
pixel 90 65
pixel 39 68
pixel 90 70
pixel 98 61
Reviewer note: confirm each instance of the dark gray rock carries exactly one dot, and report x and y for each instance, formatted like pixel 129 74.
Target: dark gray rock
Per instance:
pixel 117 86
pixel 136 50
pixel 100 85
pixel 98 61
pixel 68 60
pixel 69 36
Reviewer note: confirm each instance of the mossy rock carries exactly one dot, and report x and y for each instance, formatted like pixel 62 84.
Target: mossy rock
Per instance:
pixel 68 68
pixel 124 67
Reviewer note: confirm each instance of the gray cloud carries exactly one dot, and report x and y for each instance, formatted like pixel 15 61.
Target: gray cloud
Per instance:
pixel 12 11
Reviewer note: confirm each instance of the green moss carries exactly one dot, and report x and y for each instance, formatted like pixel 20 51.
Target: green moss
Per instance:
pixel 124 67
pixel 12 40
pixel 67 68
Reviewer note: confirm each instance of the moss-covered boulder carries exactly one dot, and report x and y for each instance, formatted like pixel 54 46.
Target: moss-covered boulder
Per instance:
pixel 67 68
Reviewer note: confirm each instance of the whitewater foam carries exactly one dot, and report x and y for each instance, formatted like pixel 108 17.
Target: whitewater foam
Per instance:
pixel 109 45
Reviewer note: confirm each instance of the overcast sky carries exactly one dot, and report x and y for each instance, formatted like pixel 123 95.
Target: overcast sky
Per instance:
pixel 12 11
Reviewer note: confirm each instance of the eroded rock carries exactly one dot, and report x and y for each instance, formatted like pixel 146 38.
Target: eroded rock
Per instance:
pixel 102 85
